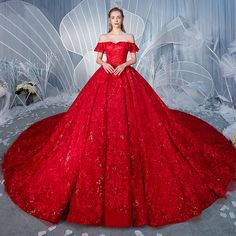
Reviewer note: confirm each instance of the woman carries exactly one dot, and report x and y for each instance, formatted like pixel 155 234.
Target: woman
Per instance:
pixel 118 156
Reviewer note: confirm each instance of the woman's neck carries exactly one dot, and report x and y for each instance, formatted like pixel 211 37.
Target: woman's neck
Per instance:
pixel 117 32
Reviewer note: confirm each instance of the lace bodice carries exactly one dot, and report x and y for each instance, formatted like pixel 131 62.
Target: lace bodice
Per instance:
pixel 116 53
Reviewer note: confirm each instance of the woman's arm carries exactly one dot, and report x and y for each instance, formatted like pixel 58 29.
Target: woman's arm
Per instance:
pixel 107 67
pixel 133 59
pixel 100 54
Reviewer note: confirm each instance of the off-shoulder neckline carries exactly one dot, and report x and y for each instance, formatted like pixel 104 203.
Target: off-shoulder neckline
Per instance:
pixel 116 42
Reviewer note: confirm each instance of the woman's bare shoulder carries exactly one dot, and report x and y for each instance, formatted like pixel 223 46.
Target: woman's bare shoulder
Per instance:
pixel 107 37
pixel 131 38
pixel 102 38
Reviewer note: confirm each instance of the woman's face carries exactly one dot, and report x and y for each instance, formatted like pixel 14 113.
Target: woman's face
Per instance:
pixel 116 19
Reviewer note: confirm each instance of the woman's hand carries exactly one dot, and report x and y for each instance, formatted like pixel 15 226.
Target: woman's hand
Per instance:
pixel 107 67
pixel 118 70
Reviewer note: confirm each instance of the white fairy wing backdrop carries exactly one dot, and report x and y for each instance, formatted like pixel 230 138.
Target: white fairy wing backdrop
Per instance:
pixel 187 49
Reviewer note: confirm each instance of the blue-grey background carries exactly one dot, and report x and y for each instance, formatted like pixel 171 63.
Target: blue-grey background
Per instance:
pixel 215 20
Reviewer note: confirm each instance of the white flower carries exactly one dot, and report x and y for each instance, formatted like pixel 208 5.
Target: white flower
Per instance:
pixel 27 87
pixel 233 139
pixel 19 86
pixel 32 89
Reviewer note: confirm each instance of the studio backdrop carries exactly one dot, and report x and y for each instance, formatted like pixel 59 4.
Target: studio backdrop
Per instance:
pixel 187 47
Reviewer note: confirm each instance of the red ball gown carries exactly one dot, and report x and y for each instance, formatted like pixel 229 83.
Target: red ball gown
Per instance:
pixel 118 156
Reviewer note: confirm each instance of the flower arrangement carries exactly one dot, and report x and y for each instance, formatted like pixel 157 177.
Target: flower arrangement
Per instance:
pixel 233 139
pixel 26 87
pixel 29 88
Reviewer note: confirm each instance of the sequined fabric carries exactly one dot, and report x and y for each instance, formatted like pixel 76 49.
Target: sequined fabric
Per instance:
pixel 116 53
pixel 118 156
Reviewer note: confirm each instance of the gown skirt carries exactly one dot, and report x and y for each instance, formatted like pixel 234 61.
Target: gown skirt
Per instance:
pixel 118 157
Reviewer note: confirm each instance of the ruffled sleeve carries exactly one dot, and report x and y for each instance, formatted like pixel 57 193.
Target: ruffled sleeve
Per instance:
pixel 99 47
pixel 133 47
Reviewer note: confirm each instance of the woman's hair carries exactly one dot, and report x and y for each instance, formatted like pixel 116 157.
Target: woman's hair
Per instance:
pixel 122 14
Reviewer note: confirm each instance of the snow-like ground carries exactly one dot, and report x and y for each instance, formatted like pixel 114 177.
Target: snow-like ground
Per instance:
pixel 218 220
